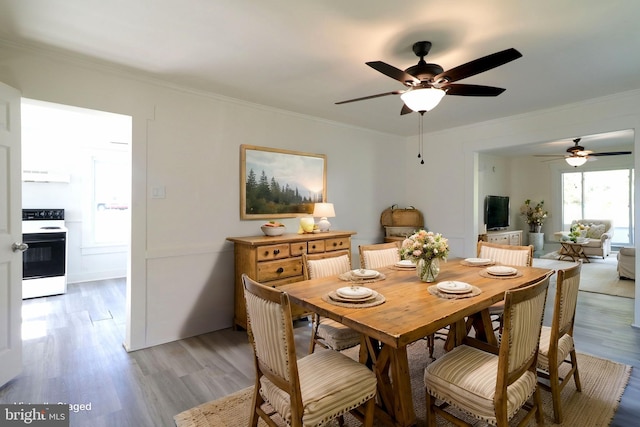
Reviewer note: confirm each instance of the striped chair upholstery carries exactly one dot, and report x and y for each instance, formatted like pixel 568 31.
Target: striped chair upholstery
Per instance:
pixel 504 255
pixel 556 342
pixel 326 332
pixel 379 255
pixel 300 391
pixel 494 387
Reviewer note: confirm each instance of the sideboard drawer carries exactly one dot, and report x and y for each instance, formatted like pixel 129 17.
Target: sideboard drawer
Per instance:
pixel 280 269
pixel 277 260
pixel 337 244
pixel 297 249
pixel 315 246
pixel 266 253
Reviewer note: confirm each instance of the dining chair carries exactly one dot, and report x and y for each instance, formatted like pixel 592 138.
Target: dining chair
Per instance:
pixel 493 383
pixel 379 254
pixel 326 332
pixel 556 341
pixel 512 255
pixel 309 391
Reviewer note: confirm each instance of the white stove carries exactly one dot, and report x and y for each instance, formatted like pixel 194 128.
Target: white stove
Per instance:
pixel 44 263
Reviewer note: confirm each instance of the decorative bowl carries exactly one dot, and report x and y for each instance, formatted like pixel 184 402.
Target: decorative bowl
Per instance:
pixel 272 231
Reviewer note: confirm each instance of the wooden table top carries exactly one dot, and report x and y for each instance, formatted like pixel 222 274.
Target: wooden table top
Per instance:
pixel 409 312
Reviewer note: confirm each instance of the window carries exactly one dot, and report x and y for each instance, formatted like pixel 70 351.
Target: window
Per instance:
pixel 111 198
pixel 606 194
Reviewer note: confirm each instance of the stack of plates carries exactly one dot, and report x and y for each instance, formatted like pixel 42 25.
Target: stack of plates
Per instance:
pixel 452 287
pixel 405 263
pixel 478 261
pixel 354 294
pixel 363 274
pixel 501 270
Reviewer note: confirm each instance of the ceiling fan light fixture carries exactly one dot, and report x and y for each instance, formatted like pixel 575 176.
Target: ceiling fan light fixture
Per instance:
pixel 423 99
pixel 576 161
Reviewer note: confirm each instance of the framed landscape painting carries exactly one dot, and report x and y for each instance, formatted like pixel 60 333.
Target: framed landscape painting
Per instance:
pixel 278 183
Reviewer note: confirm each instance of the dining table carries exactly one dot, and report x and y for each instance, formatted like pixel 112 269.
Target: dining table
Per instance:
pixel 405 310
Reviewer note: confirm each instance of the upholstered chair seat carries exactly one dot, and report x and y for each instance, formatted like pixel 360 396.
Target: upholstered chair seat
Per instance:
pixel 565 345
pixel 556 341
pixel 306 392
pixel 325 396
pixel 493 384
pixel 327 332
pixel 468 378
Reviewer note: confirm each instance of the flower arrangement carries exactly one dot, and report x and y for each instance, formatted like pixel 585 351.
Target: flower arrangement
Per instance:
pixel 534 215
pixel 575 232
pixel 424 245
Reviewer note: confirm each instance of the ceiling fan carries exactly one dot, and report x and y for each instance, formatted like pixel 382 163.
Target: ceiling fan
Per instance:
pixel 578 155
pixel 428 83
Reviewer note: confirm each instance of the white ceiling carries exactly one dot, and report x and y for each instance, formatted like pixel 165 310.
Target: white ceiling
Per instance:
pixel 304 56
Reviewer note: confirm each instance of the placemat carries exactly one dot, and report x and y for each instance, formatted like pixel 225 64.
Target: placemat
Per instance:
pixel 485 273
pixel 395 267
pixel 469 264
pixel 433 290
pixel 349 277
pixel 379 299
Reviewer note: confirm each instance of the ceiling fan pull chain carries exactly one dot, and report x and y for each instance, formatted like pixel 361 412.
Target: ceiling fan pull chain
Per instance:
pixel 421 138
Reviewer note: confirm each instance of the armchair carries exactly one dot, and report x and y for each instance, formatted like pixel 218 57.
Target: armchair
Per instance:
pixel 598 232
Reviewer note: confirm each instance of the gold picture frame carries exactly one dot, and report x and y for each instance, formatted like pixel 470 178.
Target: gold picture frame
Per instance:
pixel 277 183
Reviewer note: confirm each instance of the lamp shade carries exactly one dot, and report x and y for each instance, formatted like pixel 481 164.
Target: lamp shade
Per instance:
pixel 324 210
pixel 576 161
pixel 424 99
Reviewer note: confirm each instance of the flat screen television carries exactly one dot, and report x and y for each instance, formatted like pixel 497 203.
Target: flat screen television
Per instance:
pixel 496 212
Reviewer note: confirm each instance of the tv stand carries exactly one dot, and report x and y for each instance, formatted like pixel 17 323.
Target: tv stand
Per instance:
pixel 503 237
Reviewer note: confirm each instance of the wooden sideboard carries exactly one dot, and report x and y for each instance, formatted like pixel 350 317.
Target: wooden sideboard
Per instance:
pixel 277 260
pixel 503 237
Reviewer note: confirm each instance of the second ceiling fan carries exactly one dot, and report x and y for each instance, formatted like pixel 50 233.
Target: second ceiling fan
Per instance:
pixel 578 155
pixel 428 83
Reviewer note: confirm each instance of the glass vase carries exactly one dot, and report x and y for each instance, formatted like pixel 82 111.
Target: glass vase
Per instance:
pixel 428 270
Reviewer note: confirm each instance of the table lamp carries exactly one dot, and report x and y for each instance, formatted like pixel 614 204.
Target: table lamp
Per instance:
pixel 324 211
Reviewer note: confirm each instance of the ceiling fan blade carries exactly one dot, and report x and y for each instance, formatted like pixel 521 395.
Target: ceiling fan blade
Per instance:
pixel 479 65
pixel 393 72
pixel 612 153
pixel 472 90
pixel 405 110
pixel 550 155
pixel 395 92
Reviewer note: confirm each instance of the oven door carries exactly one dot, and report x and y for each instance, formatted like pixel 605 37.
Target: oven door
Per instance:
pixel 45 256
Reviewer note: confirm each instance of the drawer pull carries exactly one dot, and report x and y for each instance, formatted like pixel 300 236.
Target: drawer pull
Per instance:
pixel 313 247
pixel 276 251
pixel 280 270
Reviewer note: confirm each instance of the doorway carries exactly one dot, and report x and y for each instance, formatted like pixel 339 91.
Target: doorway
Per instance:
pixel 79 160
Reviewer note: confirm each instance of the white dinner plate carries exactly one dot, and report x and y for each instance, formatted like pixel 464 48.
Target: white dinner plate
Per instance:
pixel 405 263
pixel 478 261
pixel 362 273
pixel 501 270
pixel 354 292
pixel 453 287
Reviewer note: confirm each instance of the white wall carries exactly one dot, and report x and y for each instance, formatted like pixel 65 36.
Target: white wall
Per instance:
pixel 180 279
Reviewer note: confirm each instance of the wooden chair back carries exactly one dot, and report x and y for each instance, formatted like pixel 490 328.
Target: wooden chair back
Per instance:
pixel 270 331
pixel 556 342
pixel 379 254
pixel 326 264
pixel 506 254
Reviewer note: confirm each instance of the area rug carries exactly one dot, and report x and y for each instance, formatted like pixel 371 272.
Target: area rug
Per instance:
pixel 598 276
pixel 603 383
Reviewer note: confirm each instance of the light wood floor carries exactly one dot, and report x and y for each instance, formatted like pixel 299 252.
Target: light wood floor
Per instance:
pixel 73 353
